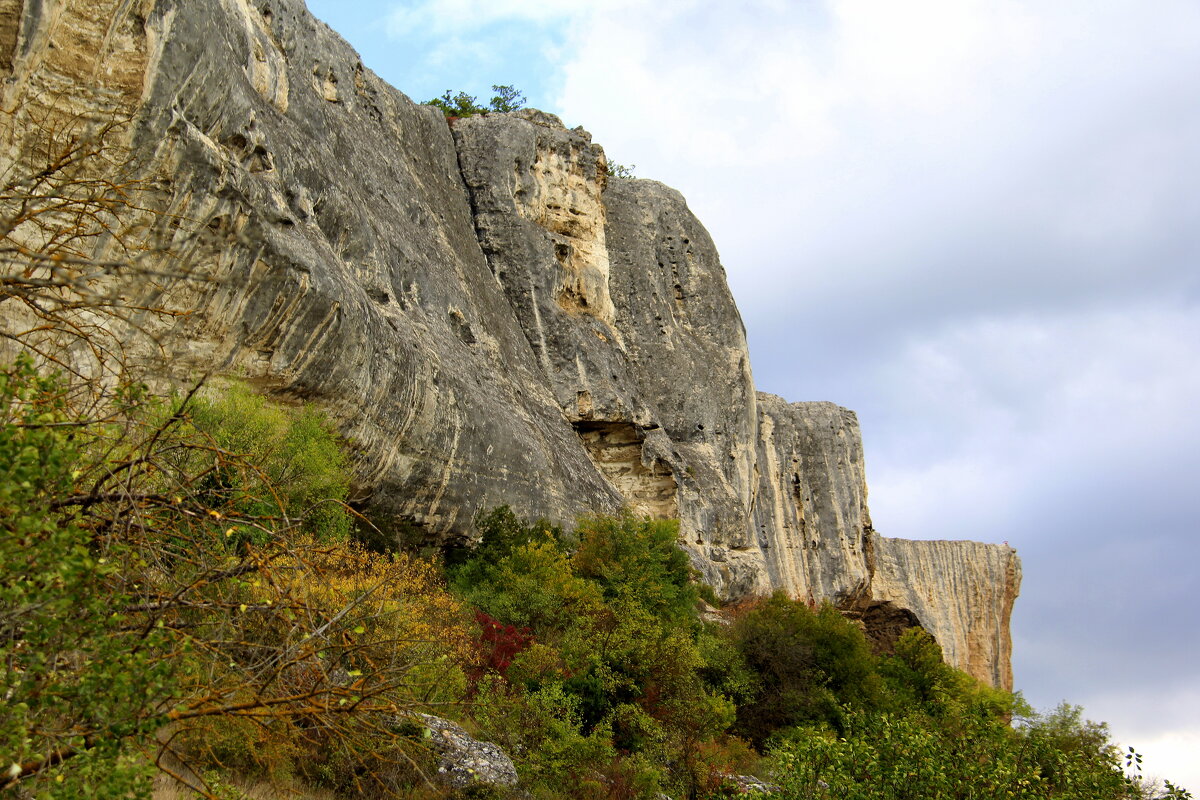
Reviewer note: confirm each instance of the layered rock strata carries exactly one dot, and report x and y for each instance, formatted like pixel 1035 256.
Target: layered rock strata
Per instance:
pixel 489 317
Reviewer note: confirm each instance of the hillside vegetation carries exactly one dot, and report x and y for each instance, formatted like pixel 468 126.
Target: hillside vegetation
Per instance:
pixel 183 591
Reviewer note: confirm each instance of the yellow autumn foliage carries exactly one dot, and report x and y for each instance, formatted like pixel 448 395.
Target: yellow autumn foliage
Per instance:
pixel 404 615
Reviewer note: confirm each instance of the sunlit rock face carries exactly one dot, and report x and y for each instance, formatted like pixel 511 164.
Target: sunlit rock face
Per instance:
pixel 489 318
pixel 624 303
pixel 816 541
pixel 340 254
pixel 810 515
pixel 961 592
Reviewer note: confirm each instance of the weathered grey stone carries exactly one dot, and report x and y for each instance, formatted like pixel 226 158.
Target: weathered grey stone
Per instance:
pixel 687 349
pixel 748 784
pixel 490 319
pixel 816 541
pixel 623 299
pixel 810 516
pixel 464 760
pixel 351 274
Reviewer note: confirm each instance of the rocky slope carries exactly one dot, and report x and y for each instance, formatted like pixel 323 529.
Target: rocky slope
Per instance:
pixel 491 319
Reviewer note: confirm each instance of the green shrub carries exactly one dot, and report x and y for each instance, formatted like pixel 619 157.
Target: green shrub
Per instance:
pixel 543 729
pixel 885 756
pixel 919 679
pixel 616 170
pixel 501 531
pixel 461 104
pixel 806 665
pixel 1069 753
pixel 532 586
pixel 82 680
pixel 608 697
pixel 638 558
pixel 289 469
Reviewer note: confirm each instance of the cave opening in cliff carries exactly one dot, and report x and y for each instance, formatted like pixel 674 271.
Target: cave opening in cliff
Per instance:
pixel 616 450
pixel 884 623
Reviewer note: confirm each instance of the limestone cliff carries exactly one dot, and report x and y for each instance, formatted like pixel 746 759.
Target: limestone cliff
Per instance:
pixel 810 513
pixel 954 589
pixel 816 541
pixel 491 319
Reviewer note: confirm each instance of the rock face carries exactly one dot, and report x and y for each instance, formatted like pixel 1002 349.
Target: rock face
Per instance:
pixel 810 513
pixel 464 760
pixel 816 541
pixel 490 318
pixel 623 301
pixel 955 589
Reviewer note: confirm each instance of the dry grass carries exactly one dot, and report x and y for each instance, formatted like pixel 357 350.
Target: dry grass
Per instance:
pixel 167 788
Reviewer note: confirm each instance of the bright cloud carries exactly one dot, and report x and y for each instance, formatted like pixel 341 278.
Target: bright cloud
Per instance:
pixel 877 133
pixel 1171 755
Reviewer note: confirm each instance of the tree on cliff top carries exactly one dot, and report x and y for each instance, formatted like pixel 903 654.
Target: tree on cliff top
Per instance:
pixel 505 99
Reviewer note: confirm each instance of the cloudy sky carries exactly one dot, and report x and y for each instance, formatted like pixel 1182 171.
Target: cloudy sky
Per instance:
pixel 977 223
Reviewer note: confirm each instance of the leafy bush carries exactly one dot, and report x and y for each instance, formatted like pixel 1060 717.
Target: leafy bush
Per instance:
pixel 499 644
pixel 981 758
pixel 461 104
pixel 608 631
pixel 151 581
pixel 532 587
pixel 806 665
pixel 918 678
pixel 615 170
pixel 943 736
pixel 82 677
pixel 298 472
pixel 638 559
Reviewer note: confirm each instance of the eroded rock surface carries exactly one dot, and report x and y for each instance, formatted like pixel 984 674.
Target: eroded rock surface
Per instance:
pixel 810 514
pixel 957 591
pixel 348 270
pixel 488 316
pixel 623 300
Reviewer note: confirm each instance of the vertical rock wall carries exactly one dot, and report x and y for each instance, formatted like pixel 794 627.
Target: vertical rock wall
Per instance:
pixel 687 349
pixel 631 320
pixel 490 318
pixel 810 515
pixel 339 257
pixel 957 591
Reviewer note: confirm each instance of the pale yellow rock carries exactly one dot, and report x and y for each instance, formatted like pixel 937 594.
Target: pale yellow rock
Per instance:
pixel 961 592
pixel 560 197
pixel 266 66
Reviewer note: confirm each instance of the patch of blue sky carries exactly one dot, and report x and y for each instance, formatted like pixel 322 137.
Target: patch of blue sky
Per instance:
pixel 424 57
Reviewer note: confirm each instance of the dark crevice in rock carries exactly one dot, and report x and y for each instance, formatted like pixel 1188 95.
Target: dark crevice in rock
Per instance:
pixel 868 548
pixel 472 201
pixel 462 328
pixel 10 19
